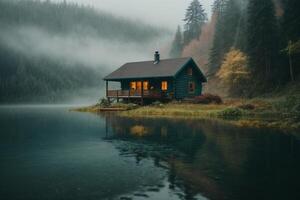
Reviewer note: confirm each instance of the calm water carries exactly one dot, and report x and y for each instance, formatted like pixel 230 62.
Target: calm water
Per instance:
pixel 51 153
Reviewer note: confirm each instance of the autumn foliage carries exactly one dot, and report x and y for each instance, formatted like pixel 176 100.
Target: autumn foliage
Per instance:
pixel 234 73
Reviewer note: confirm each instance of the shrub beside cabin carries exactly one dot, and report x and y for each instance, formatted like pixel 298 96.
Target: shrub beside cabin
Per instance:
pixel 160 80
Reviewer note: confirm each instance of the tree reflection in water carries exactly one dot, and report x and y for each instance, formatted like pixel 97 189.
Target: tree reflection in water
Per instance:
pixel 210 158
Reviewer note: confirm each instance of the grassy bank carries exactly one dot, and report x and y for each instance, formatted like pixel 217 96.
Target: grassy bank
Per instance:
pixel 100 108
pixel 270 113
pixel 277 113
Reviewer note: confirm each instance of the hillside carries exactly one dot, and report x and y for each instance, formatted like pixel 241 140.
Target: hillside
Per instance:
pixel 66 18
pixel 248 48
pixel 50 51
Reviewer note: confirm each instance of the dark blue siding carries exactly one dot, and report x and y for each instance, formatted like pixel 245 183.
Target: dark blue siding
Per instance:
pixel 182 83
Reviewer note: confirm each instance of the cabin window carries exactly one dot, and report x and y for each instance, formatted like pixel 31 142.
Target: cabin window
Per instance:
pixel 164 85
pixel 146 85
pixel 190 71
pixel 137 85
pixel 133 85
pixel 191 87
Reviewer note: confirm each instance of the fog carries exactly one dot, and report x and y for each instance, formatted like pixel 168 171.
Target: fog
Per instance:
pixel 167 13
pixel 90 50
pixel 87 50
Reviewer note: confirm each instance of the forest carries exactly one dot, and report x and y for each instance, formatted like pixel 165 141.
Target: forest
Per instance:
pixel 27 74
pixel 247 48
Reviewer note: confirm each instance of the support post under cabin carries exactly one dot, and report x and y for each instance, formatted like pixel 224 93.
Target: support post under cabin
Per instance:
pixel 118 96
pixel 128 95
pixel 174 89
pixel 142 94
pixel 106 88
pixel 107 92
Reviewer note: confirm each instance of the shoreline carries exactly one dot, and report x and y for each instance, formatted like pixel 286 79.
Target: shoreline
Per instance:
pixel 262 116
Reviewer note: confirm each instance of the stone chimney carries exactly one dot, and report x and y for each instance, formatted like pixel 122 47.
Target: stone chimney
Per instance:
pixel 156 57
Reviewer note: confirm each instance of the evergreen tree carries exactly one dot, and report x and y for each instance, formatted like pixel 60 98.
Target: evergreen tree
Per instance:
pixel 291 20
pixel 177 44
pixel 217 51
pixel 218 6
pixel 227 31
pixel 195 18
pixel 290 30
pixel 262 39
pixel 240 42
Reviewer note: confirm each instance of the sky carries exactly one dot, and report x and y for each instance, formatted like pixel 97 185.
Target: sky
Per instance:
pixel 165 13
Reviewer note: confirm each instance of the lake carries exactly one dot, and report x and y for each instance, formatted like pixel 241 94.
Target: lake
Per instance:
pixel 47 152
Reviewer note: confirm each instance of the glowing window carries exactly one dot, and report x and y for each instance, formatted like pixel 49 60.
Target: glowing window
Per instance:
pixel 164 85
pixel 139 85
pixel 146 85
pixel 133 85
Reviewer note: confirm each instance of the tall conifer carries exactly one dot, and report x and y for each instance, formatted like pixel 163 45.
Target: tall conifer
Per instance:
pixel 228 22
pixel 291 19
pixel 177 44
pixel 195 18
pixel 262 40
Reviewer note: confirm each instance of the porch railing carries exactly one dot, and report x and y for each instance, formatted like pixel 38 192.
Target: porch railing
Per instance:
pixel 138 94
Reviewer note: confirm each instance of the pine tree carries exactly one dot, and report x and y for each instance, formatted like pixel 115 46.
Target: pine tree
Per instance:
pixel 195 18
pixel 218 6
pixel 217 50
pixel 262 38
pixel 177 44
pixel 227 31
pixel 241 30
pixel 291 20
pixel 290 30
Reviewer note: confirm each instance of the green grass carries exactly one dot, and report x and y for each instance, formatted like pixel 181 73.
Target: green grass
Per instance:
pixel 279 113
pixel 97 107
pixel 265 113
pixel 183 110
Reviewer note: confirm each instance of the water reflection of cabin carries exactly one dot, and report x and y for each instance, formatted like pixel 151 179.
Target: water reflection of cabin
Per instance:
pixel 168 79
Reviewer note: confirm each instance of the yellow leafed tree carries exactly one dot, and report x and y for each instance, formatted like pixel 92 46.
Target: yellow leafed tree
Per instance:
pixel 234 73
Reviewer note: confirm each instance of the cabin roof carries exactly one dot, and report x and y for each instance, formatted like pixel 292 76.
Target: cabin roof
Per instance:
pixel 147 69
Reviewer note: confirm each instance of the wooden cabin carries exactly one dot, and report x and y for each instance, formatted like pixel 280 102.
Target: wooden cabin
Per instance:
pixel 167 79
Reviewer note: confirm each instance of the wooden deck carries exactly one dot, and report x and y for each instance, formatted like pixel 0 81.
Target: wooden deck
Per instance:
pixel 131 94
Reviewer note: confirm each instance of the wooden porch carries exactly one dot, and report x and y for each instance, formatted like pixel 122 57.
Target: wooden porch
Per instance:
pixel 127 94
pixel 140 92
